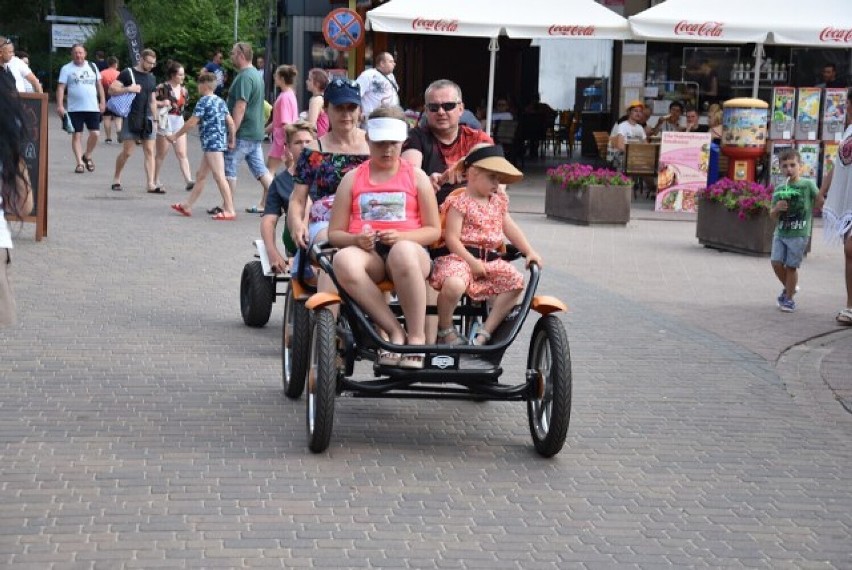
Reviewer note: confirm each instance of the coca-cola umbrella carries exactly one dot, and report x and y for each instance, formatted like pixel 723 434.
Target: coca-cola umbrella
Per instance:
pixel 525 19
pixel 823 23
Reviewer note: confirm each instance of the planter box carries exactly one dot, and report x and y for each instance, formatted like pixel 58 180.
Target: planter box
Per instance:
pixel 720 228
pixel 590 205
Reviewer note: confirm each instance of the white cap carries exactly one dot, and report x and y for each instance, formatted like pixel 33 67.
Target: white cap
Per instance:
pixel 387 129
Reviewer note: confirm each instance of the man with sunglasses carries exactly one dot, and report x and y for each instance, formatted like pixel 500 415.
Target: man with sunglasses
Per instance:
pixel 443 141
pixel 23 79
pixel 7 79
pixel 245 103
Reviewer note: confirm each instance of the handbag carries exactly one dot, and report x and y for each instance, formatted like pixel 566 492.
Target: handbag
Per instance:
pixel 119 105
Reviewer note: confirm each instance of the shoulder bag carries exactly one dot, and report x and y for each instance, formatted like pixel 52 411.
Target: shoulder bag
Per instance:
pixel 120 104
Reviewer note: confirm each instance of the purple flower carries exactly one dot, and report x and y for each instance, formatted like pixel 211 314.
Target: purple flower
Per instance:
pixel 744 197
pixel 574 176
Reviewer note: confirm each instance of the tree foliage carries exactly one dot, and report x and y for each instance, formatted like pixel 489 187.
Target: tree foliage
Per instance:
pixel 188 30
pixel 182 30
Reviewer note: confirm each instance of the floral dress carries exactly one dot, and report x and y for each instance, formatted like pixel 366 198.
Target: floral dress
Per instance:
pixel 483 228
pixel 322 172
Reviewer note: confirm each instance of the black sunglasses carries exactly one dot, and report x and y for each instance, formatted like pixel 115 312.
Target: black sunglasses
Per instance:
pixel 435 107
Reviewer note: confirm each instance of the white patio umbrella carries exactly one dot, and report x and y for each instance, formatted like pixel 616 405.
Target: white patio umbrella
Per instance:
pixel 823 23
pixel 569 19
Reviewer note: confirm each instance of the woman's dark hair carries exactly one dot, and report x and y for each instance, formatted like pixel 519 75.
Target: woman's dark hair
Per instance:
pixel 12 138
pixel 172 67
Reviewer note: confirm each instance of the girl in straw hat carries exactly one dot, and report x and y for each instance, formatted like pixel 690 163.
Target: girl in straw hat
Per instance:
pixel 477 221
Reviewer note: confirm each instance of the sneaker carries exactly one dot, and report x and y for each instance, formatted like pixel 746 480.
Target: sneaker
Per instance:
pixel 780 299
pixel 108 141
pixel 788 306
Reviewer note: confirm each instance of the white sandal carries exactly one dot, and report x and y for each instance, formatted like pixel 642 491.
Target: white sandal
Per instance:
pixel 444 333
pixel 844 317
pixel 486 338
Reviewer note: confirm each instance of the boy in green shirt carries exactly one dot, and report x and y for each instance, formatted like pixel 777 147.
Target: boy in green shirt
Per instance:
pixel 792 209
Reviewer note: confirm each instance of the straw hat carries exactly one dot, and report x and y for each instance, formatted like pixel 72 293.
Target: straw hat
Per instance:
pixel 491 158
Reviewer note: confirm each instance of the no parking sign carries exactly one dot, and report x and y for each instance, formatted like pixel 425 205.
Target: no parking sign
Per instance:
pixel 343 29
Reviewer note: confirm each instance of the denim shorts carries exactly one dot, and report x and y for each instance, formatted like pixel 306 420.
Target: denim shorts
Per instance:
pixel 788 251
pixel 126 135
pixel 252 152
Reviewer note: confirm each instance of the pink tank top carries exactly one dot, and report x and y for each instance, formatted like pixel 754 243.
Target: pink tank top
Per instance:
pixel 391 205
pixel 322 124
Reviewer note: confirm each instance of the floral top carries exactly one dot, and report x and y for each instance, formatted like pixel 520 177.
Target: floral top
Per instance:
pixel 322 171
pixel 165 92
pixel 483 223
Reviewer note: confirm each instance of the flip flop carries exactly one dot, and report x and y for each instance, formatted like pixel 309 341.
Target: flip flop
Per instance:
pixel 388 358
pixel 412 361
pixel 117 187
pixel 844 317
pixel 80 169
pixel 215 210
pixel 90 164
pixel 180 209
pixel 224 217
pixel 252 210
pixel 157 190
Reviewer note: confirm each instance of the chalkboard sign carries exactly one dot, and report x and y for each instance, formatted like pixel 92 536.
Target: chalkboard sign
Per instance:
pixel 35 155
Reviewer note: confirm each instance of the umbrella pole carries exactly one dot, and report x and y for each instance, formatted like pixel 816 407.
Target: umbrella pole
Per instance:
pixel 493 47
pixel 758 61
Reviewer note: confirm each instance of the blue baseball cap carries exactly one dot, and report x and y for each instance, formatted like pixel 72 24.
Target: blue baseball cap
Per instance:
pixel 341 91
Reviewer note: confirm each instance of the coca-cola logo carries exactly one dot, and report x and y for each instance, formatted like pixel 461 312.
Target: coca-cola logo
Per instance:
pixel 557 30
pixel 435 25
pixel 703 29
pixel 836 35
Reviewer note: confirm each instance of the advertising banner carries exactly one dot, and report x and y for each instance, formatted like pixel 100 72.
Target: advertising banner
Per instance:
pixel 133 34
pixel 684 161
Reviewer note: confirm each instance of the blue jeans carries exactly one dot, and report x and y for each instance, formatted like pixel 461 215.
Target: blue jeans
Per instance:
pixel 788 251
pixel 252 152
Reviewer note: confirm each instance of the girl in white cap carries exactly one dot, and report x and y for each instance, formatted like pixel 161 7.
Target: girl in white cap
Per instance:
pixel 477 221
pixel 384 215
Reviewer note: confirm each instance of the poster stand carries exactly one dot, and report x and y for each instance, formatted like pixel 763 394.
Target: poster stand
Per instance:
pixel 35 155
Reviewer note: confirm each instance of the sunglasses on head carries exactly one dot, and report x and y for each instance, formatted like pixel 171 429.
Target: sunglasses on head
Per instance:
pixel 340 82
pixel 435 107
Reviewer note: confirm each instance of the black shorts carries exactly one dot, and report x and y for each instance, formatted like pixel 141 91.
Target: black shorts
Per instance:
pixel 383 250
pixel 91 119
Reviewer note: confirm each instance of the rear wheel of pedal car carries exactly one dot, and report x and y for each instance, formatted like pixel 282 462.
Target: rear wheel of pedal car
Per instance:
pixel 257 292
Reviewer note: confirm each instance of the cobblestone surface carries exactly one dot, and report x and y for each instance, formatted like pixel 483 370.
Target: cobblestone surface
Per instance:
pixel 143 426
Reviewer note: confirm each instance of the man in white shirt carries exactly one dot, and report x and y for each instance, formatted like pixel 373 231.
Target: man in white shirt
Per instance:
pixel 25 79
pixel 378 85
pixel 82 81
pixel 626 132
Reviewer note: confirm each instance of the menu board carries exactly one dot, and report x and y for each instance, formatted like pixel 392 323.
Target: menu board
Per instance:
pixel 829 155
pixel 809 152
pixel 35 155
pixel 683 165
pixel 783 113
pixel 775 176
pixel 807 113
pixel 834 114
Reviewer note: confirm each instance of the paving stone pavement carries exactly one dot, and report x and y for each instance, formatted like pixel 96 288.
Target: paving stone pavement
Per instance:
pixel 143 426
